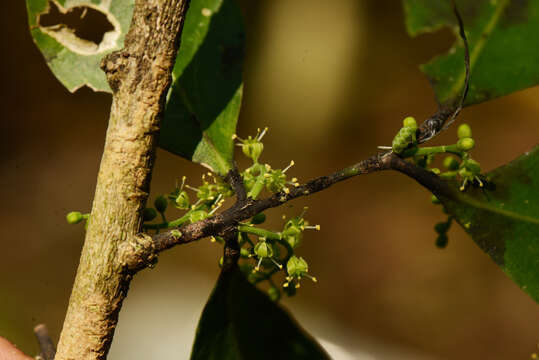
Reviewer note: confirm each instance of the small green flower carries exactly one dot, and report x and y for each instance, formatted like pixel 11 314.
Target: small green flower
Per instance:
pixel 252 147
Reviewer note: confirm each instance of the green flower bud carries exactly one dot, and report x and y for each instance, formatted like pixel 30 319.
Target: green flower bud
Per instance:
pixel 464 131
pixel 465 144
pixel 197 215
pixel 74 217
pixel 409 122
pixel 296 267
pixel 450 163
pixel 263 249
pixel 435 171
pixel 182 201
pixel 221 261
pixel 435 200
pixel 148 214
pixel 258 219
pixel 244 253
pixel 441 241
pixel 441 227
pixel 160 203
pixel 274 294
pixel 404 137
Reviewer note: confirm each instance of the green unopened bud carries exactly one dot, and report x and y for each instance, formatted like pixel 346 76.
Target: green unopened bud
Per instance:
pixel 441 227
pixel 464 131
pixel 160 203
pixel 441 241
pixel 148 214
pixel 466 144
pixel 182 201
pixel 435 200
pixel 258 219
pixel 435 171
pixel 409 122
pixel 74 217
pixel 450 163
pixel 244 253
pixel 274 294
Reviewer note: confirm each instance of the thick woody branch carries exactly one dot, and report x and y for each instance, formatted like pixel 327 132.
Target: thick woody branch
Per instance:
pixel 140 76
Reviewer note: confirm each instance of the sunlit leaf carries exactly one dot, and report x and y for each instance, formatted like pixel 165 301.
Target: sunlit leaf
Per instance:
pixel 205 98
pixel 502 35
pixel 60 30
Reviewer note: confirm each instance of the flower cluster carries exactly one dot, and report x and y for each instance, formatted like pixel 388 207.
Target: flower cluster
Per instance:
pixel 263 253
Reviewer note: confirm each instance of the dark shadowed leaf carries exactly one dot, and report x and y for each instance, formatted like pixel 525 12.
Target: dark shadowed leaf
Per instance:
pixel 75 38
pixel 503 218
pixel 504 47
pixel 205 98
pixel 240 322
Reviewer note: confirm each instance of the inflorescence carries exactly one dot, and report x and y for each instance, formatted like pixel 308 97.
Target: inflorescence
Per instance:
pixel 263 253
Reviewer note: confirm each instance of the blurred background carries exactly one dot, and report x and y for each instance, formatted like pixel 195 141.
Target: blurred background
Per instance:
pixel 332 80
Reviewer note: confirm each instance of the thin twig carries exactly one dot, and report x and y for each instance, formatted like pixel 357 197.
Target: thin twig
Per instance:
pixel 447 113
pixel 227 220
pixel 48 350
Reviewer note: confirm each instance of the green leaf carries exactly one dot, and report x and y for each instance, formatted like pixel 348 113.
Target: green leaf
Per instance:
pixel 240 322
pixel 502 35
pixel 205 98
pixel 503 218
pixel 73 59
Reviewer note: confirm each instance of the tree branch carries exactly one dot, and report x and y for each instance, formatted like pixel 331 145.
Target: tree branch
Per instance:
pixel 45 342
pixel 140 76
pixel 245 208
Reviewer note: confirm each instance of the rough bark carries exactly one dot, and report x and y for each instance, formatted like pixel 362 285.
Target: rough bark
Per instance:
pixel 140 76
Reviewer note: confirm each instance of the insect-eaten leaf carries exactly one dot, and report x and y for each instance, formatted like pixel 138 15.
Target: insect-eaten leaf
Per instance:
pixel 503 218
pixel 74 35
pixel 502 36
pixel 205 98
pixel 240 322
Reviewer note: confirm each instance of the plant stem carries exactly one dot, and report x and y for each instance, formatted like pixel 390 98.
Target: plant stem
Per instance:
pixel 139 76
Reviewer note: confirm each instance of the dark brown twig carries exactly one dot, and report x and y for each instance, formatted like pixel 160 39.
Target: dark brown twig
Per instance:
pixel 226 221
pixel 48 350
pixel 447 113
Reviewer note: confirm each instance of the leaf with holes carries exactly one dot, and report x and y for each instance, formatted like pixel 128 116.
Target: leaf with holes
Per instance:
pixel 240 322
pixel 74 35
pixel 503 218
pixel 502 36
pixel 205 98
